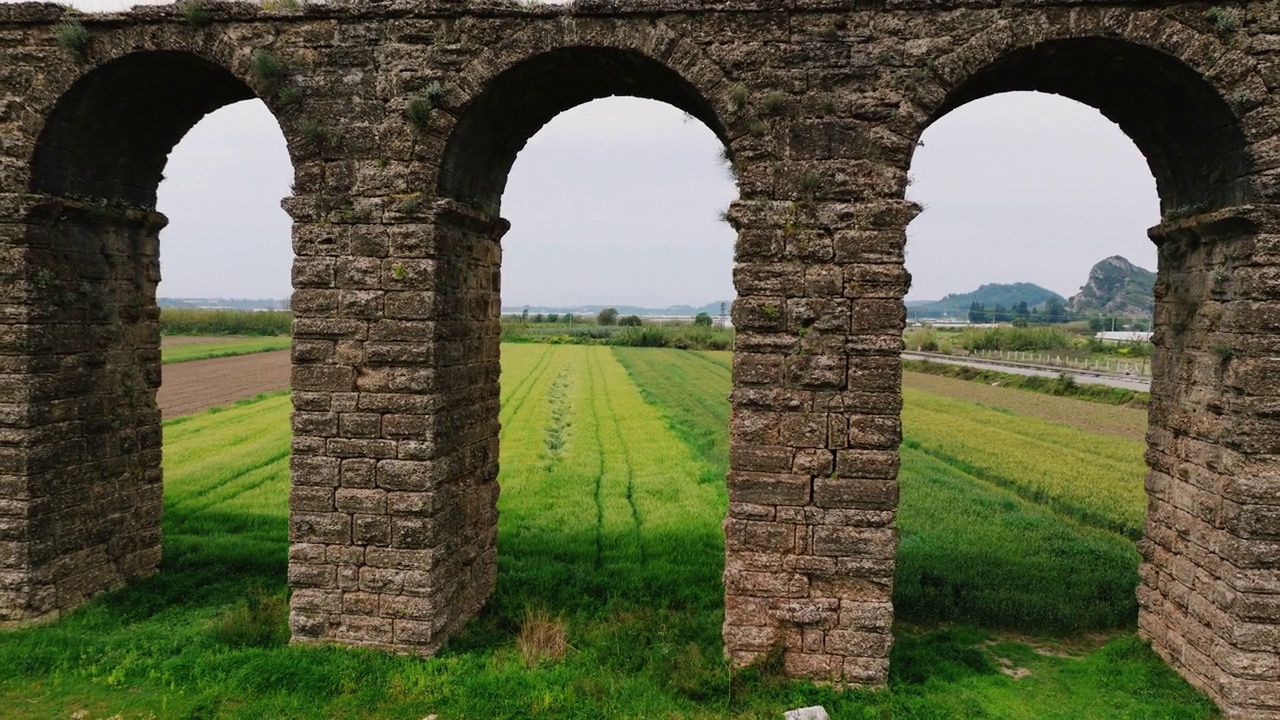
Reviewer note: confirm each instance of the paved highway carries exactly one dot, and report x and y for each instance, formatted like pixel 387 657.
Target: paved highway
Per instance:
pixel 1084 377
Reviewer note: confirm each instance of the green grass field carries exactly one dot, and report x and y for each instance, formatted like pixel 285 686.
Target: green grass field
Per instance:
pixel 612 496
pixel 222 348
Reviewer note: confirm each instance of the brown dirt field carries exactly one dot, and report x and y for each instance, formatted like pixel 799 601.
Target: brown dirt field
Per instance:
pixel 190 387
pixel 1129 423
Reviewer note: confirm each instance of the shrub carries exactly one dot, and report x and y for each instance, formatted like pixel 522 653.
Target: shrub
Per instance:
pixel 702 319
pixel 630 321
pixel 607 316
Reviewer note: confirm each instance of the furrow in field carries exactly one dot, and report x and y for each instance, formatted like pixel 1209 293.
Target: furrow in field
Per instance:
pixel 619 516
pixel 225 446
pixel 1095 478
pixel 547 512
pixel 691 393
pixel 250 477
pixel 518 360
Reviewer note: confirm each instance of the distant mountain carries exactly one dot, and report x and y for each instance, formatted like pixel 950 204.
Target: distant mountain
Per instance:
pixel 990 295
pixel 1116 287
pixel 712 309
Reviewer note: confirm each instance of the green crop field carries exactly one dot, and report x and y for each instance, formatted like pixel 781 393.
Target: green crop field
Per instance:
pixel 612 495
pixel 222 348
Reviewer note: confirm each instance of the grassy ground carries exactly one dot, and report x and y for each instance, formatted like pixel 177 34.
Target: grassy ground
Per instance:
pixel 184 352
pixel 1094 478
pixel 1129 423
pixel 609 524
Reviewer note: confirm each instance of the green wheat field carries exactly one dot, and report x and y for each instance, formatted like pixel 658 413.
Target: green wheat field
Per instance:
pixel 1015 584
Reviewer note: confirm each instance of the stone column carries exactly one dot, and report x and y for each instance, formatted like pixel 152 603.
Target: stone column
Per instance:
pixel 393 511
pixel 1210 577
pixel 80 485
pixel 810 537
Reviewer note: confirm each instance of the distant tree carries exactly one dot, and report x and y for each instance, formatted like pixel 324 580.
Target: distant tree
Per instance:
pixel 977 312
pixel 1020 322
pixel 1021 310
pixel 568 317
pixel 1001 314
pixel 524 316
pixel 630 321
pixel 1055 311
pixel 552 317
pixel 702 319
pixel 1095 324
pixel 537 318
pixel 607 316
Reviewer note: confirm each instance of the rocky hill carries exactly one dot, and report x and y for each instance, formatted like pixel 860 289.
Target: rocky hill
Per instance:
pixel 1115 287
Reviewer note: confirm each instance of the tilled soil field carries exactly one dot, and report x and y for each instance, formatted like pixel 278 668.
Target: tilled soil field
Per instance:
pixel 190 387
pixel 1124 422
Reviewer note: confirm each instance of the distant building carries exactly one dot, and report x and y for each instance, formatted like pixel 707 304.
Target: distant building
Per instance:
pixel 1125 336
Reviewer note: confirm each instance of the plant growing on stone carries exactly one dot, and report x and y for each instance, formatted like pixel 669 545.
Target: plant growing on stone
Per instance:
pixel 196 13
pixel 289 95
pixel 756 127
pixel 418 111
pixel 1224 21
pixel 773 103
pixel 809 184
pixel 267 70
pixel 72 36
pixel 409 206
pixel 398 272
pixel 317 136
pixel 737 98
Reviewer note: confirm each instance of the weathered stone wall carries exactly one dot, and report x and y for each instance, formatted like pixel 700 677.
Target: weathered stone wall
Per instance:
pixel 403 121
pixel 81 444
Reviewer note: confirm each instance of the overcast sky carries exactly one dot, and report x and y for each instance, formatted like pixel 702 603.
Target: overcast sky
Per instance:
pixel 617 202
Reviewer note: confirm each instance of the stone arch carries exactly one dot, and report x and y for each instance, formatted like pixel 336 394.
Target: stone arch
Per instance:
pixel 536 75
pixel 511 91
pixel 1143 76
pixel 161 93
pixel 87 265
pixel 1187 100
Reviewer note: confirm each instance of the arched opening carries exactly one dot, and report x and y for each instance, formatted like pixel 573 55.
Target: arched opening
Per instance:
pixel 225 258
pixel 1079 533
pixel 520 101
pixel 1025 194
pixel 92 269
pixel 1190 137
pixel 613 455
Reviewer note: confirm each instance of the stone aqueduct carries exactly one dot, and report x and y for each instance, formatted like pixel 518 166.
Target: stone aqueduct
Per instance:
pixel 403 119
